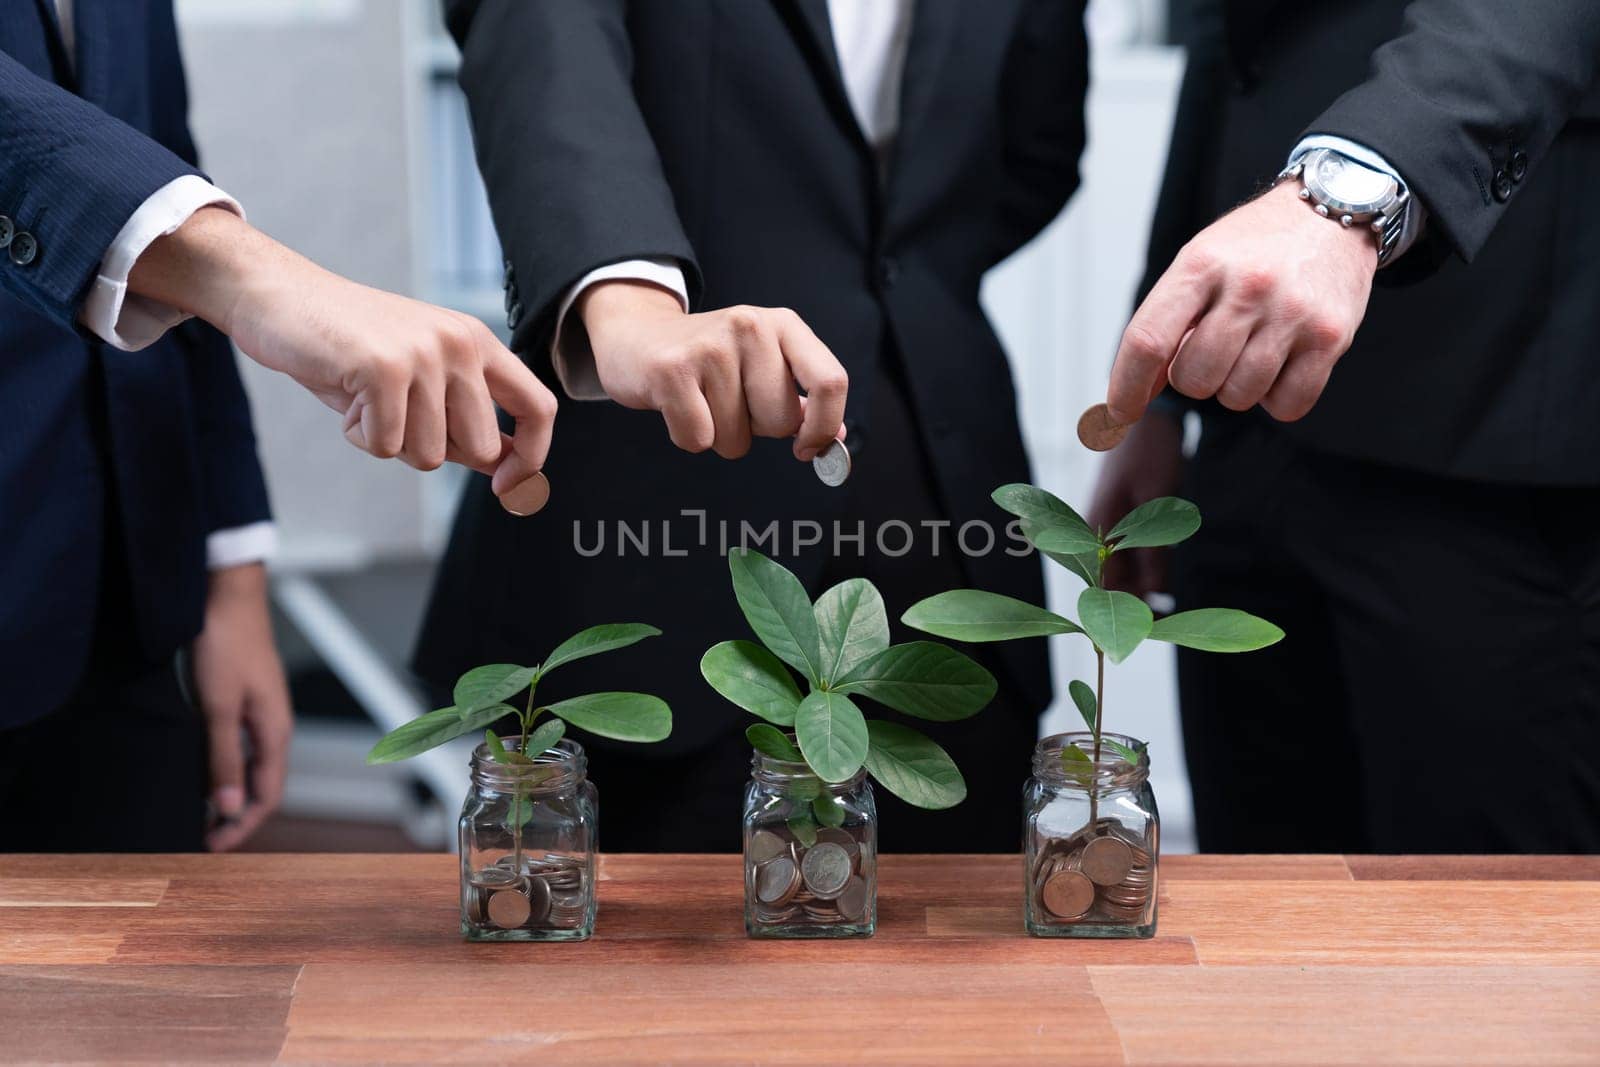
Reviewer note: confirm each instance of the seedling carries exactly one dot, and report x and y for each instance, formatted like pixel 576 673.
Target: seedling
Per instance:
pixel 481 698
pixel 840 646
pixel 1114 622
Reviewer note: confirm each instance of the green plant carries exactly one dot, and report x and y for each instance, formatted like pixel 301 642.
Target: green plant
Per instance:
pixel 840 646
pixel 1114 622
pixel 481 698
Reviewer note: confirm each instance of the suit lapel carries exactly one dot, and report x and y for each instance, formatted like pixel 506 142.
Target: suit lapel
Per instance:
pixel 933 26
pixel 63 64
pixel 815 29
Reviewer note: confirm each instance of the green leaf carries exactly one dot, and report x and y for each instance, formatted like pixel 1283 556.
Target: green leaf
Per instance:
pixel 832 734
pixel 619 716
pixel 1083 697
pixel 1076 762
pixel 544 737
pixel 482 686
pixel 778 610
pixel 1217 630
pixel 1064 541
pixel 1115 621
pixel 804 828
pixel 1163 521
pixel 752 678
pixel 828 810
pixel 432 730
pixel 912 767
pixel 1045 511
pixel 1085 565
pixel 975 615
pixel 773 742
pixel 1073 754
pixel 924 679
pixel 851 625
pixel 498 751
pixel 597 639
pixel 1122 750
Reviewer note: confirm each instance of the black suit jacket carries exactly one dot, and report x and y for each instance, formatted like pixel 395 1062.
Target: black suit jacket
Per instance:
pixel 718 133
pixel 1477 357
pixel 150 451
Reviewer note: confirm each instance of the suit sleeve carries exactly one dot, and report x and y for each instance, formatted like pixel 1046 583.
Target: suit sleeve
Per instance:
pixel 1466 86
pixel 573 175
pixel 233 487
pixel 71 176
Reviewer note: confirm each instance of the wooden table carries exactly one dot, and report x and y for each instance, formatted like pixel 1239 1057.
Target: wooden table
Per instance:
pixel 1315 959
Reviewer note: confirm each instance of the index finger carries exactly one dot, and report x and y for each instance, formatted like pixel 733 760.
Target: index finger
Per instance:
pixel 826 384
pixel 1150 342
pixel 515 388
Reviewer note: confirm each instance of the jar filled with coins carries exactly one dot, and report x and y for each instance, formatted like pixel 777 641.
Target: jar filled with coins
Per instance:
pixel 1092 838
pixel 810 853
pixel 528 847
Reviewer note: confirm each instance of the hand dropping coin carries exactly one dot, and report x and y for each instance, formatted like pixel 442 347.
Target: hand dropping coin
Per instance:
pixel 528 497
pixel 1099 431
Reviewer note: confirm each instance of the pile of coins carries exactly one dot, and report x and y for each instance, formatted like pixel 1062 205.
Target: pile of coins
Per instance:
pixel 548 893
pixel 826 884
pixel 1100 874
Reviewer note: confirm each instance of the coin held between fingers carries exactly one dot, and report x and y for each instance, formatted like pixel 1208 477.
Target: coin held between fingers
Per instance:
pixel 527 497
pixel 832 464
pixel 1098 431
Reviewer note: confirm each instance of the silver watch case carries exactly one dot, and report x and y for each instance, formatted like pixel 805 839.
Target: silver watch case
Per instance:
pixel 1384 215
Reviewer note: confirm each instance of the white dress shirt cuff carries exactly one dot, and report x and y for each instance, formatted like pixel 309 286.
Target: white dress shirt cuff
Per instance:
pixel 255 543
pixel 570 350
pixel 126 320
pixel 1416 217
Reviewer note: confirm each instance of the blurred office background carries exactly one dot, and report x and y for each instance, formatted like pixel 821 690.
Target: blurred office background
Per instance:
pixel 339 125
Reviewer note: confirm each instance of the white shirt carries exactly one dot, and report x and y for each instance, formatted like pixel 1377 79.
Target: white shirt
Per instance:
pixel 131 322
pixel 870 37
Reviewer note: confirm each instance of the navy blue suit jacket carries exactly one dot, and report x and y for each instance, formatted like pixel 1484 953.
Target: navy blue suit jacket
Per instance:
pixel 152 448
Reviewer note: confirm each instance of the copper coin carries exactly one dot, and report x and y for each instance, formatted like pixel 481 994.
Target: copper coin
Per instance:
pixel 853 901
pixel 528 497
pixel 508 909
pixel 1107 860
pixel 765 846
pixel 777 882
pixel 1099 431
pixel 1067 895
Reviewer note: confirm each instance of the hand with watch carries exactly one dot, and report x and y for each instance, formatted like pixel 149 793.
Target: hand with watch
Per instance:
pixel 1260 306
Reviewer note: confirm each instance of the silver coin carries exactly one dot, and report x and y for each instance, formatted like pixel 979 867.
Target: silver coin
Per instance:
pixel 538 900
pixel 777 882
pixel 508 909
pixel 832 464
pixel 853 901
pixel 765 846
pixel 826 869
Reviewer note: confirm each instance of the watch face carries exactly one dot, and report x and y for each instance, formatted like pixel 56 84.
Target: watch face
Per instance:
pixel 1348 185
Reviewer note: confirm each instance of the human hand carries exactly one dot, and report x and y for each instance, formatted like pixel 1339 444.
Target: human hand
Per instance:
pixel 411 380
pixel 1146 465
pixel 718 378
pixel 1256 309
pixel 241 690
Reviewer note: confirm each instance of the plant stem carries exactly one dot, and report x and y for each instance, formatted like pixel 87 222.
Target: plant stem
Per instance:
pixel 1099 714
pixel 522 747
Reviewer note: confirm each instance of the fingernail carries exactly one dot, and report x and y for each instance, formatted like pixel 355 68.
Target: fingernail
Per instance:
pixel 230 801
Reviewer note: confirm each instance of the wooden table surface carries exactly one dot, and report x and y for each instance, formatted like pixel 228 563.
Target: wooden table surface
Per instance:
pixel 1292 959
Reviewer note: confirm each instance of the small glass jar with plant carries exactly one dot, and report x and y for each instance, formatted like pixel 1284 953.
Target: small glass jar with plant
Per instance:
pixel 529 825
pixel 1092 831
pixel 810 824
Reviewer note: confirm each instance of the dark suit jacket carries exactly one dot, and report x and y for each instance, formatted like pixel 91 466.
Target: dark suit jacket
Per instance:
pixel 718 133
pixel 164 433
pixel 1477 358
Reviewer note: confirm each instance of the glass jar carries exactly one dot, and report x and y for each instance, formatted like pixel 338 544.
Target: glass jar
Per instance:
pixel 528 847
pixel 1092 839
pixel 810 853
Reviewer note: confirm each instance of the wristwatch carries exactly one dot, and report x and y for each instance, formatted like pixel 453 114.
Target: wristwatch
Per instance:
pixel 1340 188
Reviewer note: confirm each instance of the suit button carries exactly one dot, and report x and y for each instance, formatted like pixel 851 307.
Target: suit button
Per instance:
pixel 8 230
pixel 508 275
pixel 1502 185
pixel 1519 166
pixel 24 249
pixel 888 272
pixel 513 315
pixel 511 297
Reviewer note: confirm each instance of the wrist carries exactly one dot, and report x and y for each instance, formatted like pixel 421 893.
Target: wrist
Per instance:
pixel 245 581
pixel 208 267
pixel 1358 241
pixel 606 305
